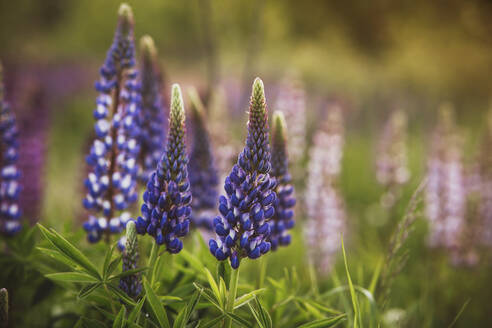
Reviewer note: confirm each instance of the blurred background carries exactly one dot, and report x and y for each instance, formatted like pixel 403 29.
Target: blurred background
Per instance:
pixel 368 57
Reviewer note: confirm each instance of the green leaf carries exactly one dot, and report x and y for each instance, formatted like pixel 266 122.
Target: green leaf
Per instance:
pixel 127 273
pixel 65 247
pixel 325 323
pixel 192 260
pixel 240 301
pixel 207 293
pixel 311 304
pixel 54 254
pixel 185 313
pixel 156 305
pixel 242 322
pixel 169 298
pixel 224 271
pixel 87 290
pixel 107 260
pixel 119 321
pixel 113 265
pixel 213 322
pixel 256 315
pixel 353 296
pixel 118 293
pixel 265 316
pixel 133 316
pixel 71 277
pixel 214 287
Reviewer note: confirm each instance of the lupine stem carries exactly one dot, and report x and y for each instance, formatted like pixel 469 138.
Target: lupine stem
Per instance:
pixel 232 295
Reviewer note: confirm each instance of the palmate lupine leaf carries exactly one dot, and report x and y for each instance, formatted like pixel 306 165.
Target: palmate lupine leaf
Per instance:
pixel 70 251
pixel 72 277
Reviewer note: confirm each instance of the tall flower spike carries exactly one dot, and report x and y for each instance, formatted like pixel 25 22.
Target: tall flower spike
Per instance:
pixel 291 100
pixel 10 212
pixel 166 209
pixel 445 194
pixel 202 171
pixel 392 171
pixel 485 169
pixel 325 208
pixel 4 307
pixel 325 155
pixel 131 284
pixel 111 184
pixel 243 228
pixel 283 219
pixel 153 111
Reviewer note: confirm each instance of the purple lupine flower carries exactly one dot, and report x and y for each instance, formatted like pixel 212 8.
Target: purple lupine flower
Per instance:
pixel 202 171
pixel 283 219
pixel 291 100
pixel 466 251
pixel 325 208
pixel 111 185
pixel 33 121
pixel 10 211
pixel 326 154
pixel 391 166
pixel 445 194
pixel 242 229
pixel 167 200
pixel 131 284
pixel 485 169
pixel 153 111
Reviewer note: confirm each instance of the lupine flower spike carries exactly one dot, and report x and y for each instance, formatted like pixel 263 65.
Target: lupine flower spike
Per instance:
pixel 283 219
pixel 485 162
pixel 153 111
pixel 291 100
pixel 4 307
pixel 392 171
pixel 325 208
pixel 202 171
pixel 326 155
pixel 243 228
pixel 111 184
pixel 166 210
pixel 445 194
pixel 131 284
pixel 10 212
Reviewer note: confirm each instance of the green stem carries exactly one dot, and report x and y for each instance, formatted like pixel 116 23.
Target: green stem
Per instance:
pixel 232 295
pixel 151 263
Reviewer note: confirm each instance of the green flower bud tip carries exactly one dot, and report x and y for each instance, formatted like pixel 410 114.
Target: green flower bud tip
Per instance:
pixel 279 127
pixel 147 48
pixel 258 102
pixel 4 307
pixel 125 15
pixel 177 114
pixel 131 232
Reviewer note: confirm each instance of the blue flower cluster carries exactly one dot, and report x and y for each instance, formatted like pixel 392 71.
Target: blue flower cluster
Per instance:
pixel 202 171
pixel 153 110
pixel 10 212
pixel 166 209
pixel 111 185
pixel 243 228
pixel 283 219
